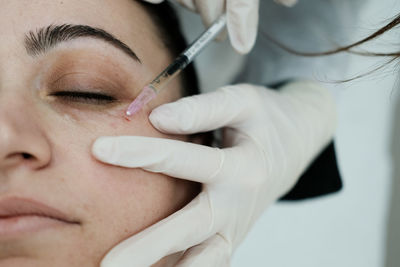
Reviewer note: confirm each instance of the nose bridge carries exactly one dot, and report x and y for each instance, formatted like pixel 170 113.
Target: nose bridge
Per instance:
pixel 10 125
pixel 8 130
pixel 13 107
pixel 22 138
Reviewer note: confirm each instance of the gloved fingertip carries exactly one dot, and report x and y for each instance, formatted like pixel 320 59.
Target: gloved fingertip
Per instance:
pixel 242 28
pixel 175 118
pixel 242 42
pixel 241 48
pixel 103 148
pixel 165 117
pixel 160 116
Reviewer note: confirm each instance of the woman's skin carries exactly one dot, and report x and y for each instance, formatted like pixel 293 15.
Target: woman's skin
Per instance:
pixel 46 134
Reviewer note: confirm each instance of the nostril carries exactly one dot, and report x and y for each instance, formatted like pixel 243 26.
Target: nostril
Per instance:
pixel 26 156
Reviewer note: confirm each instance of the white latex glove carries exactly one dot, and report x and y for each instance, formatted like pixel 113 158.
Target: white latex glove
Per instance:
pixel 242 17
pixel 270 138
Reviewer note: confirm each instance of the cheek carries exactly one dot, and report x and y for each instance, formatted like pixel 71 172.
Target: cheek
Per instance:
pixel 135 197
pixel 117 202
pixel 113 202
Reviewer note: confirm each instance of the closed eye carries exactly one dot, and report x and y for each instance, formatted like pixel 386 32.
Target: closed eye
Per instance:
pixel 85 97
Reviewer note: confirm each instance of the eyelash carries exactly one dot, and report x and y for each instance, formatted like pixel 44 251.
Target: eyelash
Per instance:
pixel 85 97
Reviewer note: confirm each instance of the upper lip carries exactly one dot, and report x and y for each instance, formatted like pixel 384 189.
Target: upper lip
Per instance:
pixel 15 206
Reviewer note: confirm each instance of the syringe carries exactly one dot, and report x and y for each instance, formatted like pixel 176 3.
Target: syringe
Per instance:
pixel 151 90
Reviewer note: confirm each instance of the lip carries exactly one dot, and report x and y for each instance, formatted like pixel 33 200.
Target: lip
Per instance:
pixel 21 216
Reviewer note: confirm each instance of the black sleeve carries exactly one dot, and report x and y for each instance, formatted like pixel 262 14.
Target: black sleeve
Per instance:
pixel 322 176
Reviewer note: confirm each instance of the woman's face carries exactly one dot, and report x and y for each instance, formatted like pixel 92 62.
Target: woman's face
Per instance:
pixel 60 89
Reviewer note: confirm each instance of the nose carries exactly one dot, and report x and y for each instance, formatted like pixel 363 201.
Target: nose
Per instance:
pixel 22 141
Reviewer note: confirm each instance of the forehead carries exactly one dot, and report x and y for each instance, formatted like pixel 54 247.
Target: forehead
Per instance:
pixel 125 19
pixel 114 14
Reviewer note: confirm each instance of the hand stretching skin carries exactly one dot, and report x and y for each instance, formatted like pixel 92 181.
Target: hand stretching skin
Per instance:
pixel 270 138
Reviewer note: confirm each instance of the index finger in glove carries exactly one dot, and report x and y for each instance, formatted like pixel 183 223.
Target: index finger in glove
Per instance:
pixel 227 106
pixel 174 158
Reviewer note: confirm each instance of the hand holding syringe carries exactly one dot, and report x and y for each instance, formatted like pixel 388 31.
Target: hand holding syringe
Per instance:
pixel 150 91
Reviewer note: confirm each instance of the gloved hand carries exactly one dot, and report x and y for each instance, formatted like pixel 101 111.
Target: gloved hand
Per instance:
pixel 270 137
pixel 242 17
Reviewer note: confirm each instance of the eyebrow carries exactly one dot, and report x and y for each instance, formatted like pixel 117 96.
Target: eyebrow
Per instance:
pixel 43 39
